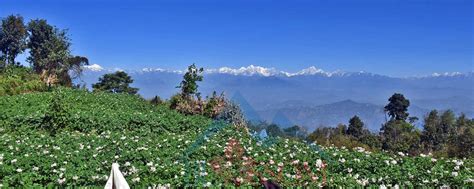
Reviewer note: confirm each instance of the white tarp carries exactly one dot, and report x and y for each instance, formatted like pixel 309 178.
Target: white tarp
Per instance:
pixel 116 179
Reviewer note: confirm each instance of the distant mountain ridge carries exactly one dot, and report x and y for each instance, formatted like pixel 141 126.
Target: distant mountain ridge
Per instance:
pixel 312 97
pixel 253 70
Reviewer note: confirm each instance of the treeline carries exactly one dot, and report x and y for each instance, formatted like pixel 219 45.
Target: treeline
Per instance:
pixel 443 133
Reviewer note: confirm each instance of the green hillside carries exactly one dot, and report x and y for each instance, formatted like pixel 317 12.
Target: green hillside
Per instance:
pixel 155 145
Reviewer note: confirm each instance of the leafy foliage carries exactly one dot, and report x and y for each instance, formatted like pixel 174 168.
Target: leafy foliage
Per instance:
pixel 189 84
pixel 398 107
pixel 356 128
pixel 51 56
pixel 12 38
pixel 18 80
pixel 232 114
pixel 118 82
pixel 56 117
pixel 400 136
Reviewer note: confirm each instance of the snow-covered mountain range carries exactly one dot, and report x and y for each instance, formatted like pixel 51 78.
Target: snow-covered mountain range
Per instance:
pixel 311 97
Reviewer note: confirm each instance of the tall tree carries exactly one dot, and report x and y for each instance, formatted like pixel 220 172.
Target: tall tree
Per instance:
pixel 51 56
pixel 429 137
pixel 397 107
pixel 356 127
pixel 118 82
pixel 399 136
pixel 40 34
pixel 13 36
pixel 447 126
pixel 462 142
pixel 189 84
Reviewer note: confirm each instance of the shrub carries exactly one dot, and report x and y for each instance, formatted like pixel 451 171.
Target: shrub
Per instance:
pixel 18 80
pixel 231 113
pixel 56 117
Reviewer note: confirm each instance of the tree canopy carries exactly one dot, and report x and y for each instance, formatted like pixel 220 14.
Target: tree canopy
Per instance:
pixel 189 84
pixel 397 107
pixel 50 54
pixel 13 36
pixel 356 127
pixel 118 82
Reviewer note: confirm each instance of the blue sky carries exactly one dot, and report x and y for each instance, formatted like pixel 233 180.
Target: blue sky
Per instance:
pixel 392 37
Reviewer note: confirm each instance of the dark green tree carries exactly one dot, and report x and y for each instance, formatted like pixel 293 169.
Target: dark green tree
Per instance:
pixel 413 119
pixel 189 84
pixel 13 36
pixel 356 128
pixel 400 136
pixel 430 137
pixel 448 125
pixel 397 107
pixel 274 131
pixel 118 82
pixel 156 100
pixel 296 131
pixel 50 54
pixel 462 142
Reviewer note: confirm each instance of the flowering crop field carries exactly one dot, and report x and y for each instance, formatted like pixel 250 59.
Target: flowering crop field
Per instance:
pixel 156 146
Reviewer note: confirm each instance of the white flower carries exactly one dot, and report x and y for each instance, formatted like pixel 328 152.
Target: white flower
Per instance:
pixel 13 161
pixel 319 163
pixel 455 174
pixel 61 181
pixel 393 162
pixel 349 170
pixel 239 179
pixel 152 169
pixel 208 184
pixel 127 163
pixel 382 187
pixel 137 179
pixel 75 177
pixel 19 170
pixel 458 162
pixel 35 168
pixel 53 165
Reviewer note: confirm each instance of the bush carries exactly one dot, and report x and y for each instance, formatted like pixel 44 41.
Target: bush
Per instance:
pixel 18 80
pixel 231 113
pixel 56 117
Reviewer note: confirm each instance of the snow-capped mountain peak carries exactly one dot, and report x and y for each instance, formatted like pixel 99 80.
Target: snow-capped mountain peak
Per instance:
pixel 94 67
pixel 247 71
pixel 446 74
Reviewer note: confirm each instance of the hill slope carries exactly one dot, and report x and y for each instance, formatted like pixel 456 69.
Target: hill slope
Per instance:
pixel 158 146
